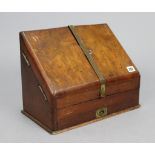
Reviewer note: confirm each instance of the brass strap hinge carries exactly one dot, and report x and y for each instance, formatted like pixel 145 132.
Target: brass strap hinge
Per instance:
pixel 90 58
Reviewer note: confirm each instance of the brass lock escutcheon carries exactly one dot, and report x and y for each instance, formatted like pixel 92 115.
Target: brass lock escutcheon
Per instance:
pixel 101 112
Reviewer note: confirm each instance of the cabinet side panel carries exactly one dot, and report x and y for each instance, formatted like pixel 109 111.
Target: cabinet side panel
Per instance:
pixel 33 100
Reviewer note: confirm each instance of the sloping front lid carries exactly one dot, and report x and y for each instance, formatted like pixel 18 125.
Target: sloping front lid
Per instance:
pixel 71 78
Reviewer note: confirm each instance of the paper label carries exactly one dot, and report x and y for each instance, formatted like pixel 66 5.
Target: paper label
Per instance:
pixel 130 69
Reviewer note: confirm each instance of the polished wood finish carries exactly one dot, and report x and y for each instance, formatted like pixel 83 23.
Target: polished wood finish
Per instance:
pixel 60 67
pixel 86 111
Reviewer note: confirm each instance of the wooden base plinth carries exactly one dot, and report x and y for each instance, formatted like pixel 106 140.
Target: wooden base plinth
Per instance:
pixel 76 126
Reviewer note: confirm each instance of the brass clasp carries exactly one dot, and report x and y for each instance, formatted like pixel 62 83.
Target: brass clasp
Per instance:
pixel 102 90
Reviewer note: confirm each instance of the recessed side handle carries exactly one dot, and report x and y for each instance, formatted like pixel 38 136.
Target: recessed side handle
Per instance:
pixel 43 93
pixel 26 60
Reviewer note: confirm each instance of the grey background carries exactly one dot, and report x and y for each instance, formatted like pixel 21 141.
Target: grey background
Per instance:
pixel 135 31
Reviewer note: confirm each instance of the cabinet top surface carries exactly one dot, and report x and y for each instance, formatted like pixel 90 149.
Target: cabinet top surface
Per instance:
pixel 63 62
